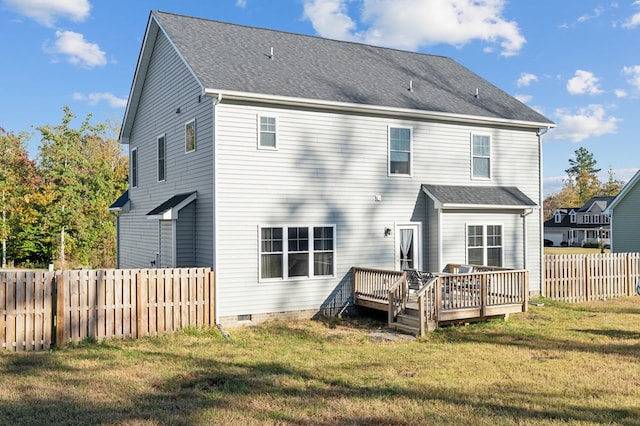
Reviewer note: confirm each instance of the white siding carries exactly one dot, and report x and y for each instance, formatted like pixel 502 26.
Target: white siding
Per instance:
pixel 169 86
pixel 328 169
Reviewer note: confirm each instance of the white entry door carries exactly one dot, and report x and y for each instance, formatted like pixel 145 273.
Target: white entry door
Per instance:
pixel 408 247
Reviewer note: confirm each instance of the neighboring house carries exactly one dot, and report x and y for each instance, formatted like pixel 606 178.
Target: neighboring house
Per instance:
pixel 577 226
pixel 624 211
pixel 283 161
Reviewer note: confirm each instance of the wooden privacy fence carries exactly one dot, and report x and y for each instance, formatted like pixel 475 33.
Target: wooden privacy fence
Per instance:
pixel 40 309
pixel 585 277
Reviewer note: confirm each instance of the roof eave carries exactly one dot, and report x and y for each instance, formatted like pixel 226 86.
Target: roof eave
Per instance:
pixel 378 109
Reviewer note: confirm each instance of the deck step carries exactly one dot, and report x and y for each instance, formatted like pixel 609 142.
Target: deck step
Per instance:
pixel 404 328
pixel 408 319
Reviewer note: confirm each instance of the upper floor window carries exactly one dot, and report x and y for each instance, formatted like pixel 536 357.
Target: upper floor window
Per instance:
pixel 267 135
pixel 190 136
pixel 162 163
pixel 481 156
pixel 573 217
pixel 558 217
pixel 297 251
pixel 400 150
pixel 596 218
pixel 586 219
pixel 484 245
pixel 134 168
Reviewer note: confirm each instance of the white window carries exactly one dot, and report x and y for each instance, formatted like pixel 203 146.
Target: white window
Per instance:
pixel 574 218
pixel 267 132
pixel 190 136
pixel 558 217
pixel 484 245
pixel 162 161
pixel 586 219
pixel 480 156
pixel 596 218
pixel 291 252
pixel 400 151
pixel 134 168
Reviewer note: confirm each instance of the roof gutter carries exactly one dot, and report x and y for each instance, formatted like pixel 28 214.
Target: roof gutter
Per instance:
pixel 375 109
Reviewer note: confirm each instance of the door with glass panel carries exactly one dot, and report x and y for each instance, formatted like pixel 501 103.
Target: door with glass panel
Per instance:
pixel 408 245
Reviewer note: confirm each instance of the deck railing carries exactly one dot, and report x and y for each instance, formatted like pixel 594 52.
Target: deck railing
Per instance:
pixel 448 296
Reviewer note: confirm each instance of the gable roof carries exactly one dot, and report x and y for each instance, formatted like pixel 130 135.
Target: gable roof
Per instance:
pixel 274 66
pixel 504 197
pixel 602 201
pixel 625 190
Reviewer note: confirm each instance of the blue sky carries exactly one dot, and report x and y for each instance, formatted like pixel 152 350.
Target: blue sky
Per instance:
pixel 575 61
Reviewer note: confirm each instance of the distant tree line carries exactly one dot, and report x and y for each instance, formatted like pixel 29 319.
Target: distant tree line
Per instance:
pixel 581 184
pixel 55 208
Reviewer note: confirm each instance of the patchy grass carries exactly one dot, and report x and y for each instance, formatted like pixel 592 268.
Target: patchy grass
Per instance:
pixel 557 364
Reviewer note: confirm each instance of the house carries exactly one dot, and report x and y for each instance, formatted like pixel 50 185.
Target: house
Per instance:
pixel 577 226
pixel 283 161
pixel 624 211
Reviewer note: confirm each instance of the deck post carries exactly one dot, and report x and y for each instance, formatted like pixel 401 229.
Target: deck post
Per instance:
pixel 60 309
pixel 483 295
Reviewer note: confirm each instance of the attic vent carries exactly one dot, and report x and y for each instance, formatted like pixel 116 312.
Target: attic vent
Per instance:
pixel 477 95
pixel 411 85
pixel 271 53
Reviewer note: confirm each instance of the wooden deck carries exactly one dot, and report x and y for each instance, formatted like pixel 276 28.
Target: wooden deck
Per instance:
pixel 441 298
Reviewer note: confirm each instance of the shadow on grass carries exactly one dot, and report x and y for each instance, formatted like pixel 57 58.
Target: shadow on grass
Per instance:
pixel 270 392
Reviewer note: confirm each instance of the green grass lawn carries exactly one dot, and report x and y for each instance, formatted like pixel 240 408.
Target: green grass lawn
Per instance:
pixel 556 364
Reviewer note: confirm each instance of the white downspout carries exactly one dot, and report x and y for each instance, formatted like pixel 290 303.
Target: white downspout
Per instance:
pixel 524 215
pixel 216 101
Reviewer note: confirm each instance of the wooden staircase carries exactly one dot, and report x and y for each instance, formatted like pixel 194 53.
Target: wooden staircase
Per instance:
pixel 407 322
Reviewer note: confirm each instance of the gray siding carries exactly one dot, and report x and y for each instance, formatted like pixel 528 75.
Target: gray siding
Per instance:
pixel 328 169
pixel 166 244
pixel 168 86
pixel 625 231
pixel 186 237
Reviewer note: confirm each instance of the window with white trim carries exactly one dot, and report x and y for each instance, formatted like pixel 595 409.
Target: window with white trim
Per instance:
pixel 400 151
pixel 484 245
pixel 558 217
pixel 573 217
pixel 267 132
pixel 293 252
pixel 190 136
pixel 480 156
pixel 162 160
pixel 134 168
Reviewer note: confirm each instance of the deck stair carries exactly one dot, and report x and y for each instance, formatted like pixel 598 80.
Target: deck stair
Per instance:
pixel 408 322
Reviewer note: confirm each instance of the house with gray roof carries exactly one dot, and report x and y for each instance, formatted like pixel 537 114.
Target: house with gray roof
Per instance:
pixel 580 226
pixel 284 160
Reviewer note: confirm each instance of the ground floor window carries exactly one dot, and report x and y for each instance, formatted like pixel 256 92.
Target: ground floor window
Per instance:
pixel 484 245
pixel 290 252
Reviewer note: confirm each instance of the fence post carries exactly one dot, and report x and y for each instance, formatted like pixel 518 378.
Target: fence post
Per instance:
pixel 60 304
pixel 212 298
pixel 627 262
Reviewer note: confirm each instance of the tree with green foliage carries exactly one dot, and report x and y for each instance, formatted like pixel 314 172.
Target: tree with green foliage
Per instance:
pixel 82 173
pixel 18 189
pixel 583 175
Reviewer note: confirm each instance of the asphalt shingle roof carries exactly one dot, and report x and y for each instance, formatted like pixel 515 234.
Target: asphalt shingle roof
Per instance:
pixel 231 57
pixel 507 196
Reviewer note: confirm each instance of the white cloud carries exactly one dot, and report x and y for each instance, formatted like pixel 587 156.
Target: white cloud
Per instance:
pixel 585 123
pixel 634 75
pixel 583 82
pixel 95 98
pixel 596 13
pixel 526 79
pixel 525 99
pixel 77 50
pixel 330 18
pixel 46 12
pixel 241 3
pixel 620 93
pixel 409 24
